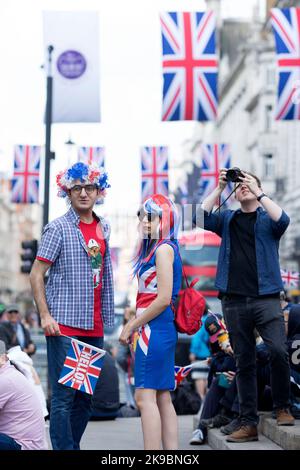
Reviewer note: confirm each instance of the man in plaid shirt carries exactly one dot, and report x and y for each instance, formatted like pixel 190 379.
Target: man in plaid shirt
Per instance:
pixel 78 298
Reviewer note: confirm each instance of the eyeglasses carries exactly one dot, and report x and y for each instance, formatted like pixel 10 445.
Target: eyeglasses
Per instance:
pixel 89 188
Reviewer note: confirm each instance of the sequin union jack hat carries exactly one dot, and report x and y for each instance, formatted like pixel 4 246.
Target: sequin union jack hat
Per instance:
pixel 87 174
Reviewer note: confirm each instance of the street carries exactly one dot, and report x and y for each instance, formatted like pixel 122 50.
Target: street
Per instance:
pixel 126 434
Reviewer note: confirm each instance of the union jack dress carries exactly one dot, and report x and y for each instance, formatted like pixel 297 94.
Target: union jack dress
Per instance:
pixel 155 349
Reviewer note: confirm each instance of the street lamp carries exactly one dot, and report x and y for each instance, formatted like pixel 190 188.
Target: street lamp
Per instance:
pixel 70 146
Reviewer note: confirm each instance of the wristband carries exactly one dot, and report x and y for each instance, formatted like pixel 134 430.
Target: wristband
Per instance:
pixel 261 196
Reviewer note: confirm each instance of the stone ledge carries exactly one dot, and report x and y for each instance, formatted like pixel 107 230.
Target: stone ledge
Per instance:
pixel 217 441
pixel 287 437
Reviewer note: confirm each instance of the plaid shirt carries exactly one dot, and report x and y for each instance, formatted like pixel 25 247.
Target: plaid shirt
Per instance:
pixel 70 290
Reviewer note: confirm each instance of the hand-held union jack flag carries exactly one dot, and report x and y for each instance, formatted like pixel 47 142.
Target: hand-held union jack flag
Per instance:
pixel 190 66
pixel 92 155
pixel 290 278
pixel 25 181
pixel 154 164
pixel 82 366
pixel 214 157
pixel 286 27
pixel 181 373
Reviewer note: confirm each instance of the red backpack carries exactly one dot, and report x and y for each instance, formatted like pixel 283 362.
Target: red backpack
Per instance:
pixel 189 309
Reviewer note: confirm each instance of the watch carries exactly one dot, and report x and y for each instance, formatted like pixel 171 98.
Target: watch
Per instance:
pixel 261 196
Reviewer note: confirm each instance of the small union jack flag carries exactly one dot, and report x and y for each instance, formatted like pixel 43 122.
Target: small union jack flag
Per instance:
pixel 286 28
pixel 190 66
pixel 181 373
pixel 92 155
pixel 154 164
pixel 82 366
pixel 25 181
pixel 214 157
pixel 290 278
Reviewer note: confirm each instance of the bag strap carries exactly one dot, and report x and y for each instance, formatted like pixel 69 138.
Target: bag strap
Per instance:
pixel 183 271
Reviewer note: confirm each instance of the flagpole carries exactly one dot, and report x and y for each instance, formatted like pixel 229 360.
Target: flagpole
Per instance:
pixel 48 154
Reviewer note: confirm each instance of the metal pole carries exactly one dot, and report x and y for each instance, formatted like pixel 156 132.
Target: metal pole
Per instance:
pixel 48 154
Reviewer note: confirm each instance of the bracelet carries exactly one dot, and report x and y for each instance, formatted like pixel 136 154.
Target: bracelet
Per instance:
pixel 261 196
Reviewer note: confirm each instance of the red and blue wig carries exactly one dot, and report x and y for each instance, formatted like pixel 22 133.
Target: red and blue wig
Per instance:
pixel 161 206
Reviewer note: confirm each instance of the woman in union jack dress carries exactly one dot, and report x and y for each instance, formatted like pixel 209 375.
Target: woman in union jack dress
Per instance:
pixel 158 269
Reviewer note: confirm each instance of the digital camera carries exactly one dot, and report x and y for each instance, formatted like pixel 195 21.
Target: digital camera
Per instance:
pixel 233 175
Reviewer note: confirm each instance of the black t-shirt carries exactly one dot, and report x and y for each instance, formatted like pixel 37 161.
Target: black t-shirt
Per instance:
pixel 242 279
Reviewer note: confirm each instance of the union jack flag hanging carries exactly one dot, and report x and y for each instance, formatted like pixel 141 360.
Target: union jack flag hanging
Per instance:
pixel 181 373
pixel 290 278
pixel 286 28
pixel 25 180
pixel 82 366
pixel 190 66
pixel 214 157
pixel 154 163
pixel 92 155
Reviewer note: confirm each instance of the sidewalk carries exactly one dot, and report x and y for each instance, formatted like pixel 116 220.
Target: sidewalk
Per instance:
pixel 126 434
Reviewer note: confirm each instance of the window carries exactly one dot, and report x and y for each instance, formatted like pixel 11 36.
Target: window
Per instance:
pixel 199 255
pixel 271 76
pixel 269 117
pixel 268 165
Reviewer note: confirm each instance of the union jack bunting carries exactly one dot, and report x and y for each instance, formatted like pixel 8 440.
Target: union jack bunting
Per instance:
pixel 25 180
pixel 214 157
pixel 154 164
pixel 181 373
pixel 190 66
pixel 286 28
pixel 290 278
pixel 82 366
pixel 92 155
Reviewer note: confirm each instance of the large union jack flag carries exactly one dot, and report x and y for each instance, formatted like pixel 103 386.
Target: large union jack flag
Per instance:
pixel 290 278
pixel 190 66
pixel 181 373
pixel 286 27
pixel 214 157
pixel 82 366
pixel 92 155
pixel 25 180
pixel 154 164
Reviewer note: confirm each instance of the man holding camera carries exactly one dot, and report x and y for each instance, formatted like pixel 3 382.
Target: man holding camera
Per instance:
pixel 249 282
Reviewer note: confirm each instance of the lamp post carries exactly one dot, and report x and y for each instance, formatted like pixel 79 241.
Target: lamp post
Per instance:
pixel 70 145
pixel 48 154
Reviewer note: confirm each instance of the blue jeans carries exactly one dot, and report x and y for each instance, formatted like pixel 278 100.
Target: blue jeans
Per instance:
pixel 242 316
pixel 70 409
pixel 8 443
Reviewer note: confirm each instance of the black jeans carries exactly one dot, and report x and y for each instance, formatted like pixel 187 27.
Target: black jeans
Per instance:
pixel 242 315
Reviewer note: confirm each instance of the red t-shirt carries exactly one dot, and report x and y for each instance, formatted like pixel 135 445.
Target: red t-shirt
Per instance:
pixel 93 236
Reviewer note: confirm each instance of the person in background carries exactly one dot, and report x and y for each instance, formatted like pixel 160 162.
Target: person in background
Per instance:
pixel 199 354
pixel 125 360
pixel 31 320
pixel 159 272
pixel 22 333
pixel 222 365
pixel 22 425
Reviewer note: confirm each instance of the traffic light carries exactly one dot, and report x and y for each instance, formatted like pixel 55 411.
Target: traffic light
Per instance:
pixel 30 248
